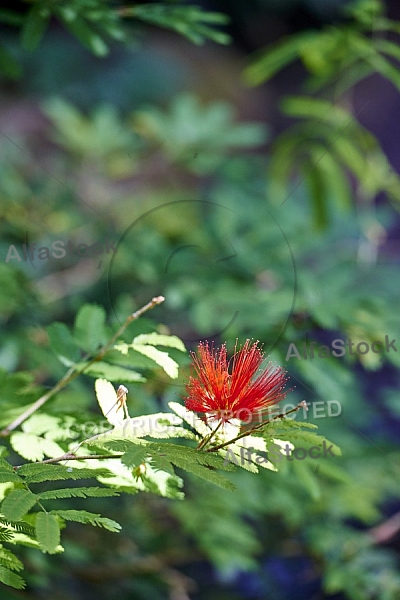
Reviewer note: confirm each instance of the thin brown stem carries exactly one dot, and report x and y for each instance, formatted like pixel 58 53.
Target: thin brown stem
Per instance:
pixel 208 437
pixel 67 457
pixel 384 532
pixel 73 372
pixel 125 11
pixel 250 431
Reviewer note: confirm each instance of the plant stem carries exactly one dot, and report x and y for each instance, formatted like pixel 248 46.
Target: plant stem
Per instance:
pixel 67 457
pixel 208 437
pixel 250 431
pixel 73 372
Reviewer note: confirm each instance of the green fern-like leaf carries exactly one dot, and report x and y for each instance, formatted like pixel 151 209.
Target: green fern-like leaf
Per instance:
pixel 309 438
pixel 8 476
pixel 169 451
pixel 19 526
pixel 161 483
pixel 9 560
pixel 82 516
pixel 17 504
pixel 189 21
pixel 205 473
pixel 194 461
pixel 94 492
pixel 12 579
pixel 135 455
pixel 202 464
pixel 6 535
pixel 5 466
pixel 283 425
pixel 36 473
pixel 7 473
pixel 293 431
pixel 191 454
pixel 160 463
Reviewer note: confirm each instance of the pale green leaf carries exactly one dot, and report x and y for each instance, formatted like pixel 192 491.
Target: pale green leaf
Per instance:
pixel 27 445
pixel 156 339
pixel 40 423
pixel 160 358
pixel 112 409
pixel 191 418
pixel 33 447
pixel 47 532
pixel 159 426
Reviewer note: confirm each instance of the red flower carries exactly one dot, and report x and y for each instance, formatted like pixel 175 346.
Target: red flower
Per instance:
pixel 231 389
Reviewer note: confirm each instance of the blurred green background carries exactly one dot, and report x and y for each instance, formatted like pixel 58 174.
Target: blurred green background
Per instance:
pixel 262 204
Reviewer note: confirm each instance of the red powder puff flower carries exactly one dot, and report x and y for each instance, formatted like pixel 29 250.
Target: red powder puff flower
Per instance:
pixel 230 389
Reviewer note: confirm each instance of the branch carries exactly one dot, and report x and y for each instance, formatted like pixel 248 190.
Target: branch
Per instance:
pixel 69 456
pixel 383 533
pixel 72 374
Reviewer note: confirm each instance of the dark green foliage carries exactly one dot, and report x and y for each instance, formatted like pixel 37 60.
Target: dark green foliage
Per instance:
pixel 191 21
pixel 97 23
pixel 329 143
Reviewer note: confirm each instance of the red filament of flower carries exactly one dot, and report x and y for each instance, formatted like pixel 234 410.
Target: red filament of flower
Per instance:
pixel 227 388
